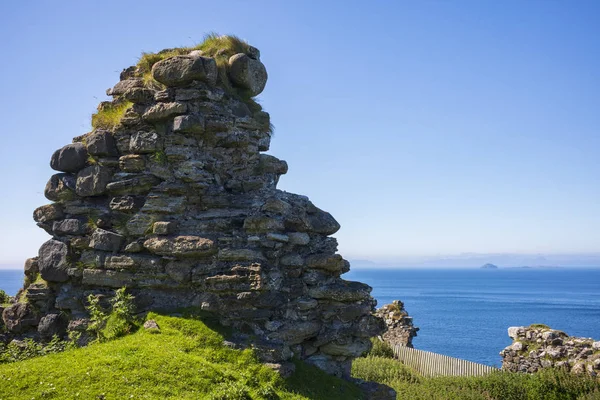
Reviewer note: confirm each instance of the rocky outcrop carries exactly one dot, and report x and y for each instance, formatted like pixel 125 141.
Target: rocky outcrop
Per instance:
pixel 176 201
pixel 399 329
pixel 537 346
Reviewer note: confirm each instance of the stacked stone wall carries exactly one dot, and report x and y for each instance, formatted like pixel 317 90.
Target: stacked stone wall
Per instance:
pixel 399 325
pixel 177 201
pixel 538 347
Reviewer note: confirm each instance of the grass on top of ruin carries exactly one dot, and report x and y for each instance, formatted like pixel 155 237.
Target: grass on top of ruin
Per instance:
pixel 110 115
pixel 219 47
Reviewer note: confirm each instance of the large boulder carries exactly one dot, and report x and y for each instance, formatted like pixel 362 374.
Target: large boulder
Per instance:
pixel 60 187
pixel 19 317
pixel 122 86
pixel 180 70
pixel 247 73
pixel 70 158
pixel 47 213
pixel 180 246
pixel 53 261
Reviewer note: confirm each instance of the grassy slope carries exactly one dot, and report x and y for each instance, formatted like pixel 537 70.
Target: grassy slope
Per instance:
pixel 185 361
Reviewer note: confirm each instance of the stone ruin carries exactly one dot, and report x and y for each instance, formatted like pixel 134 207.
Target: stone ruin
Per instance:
pixel 537 347
pixel 176 201
pixel 399 326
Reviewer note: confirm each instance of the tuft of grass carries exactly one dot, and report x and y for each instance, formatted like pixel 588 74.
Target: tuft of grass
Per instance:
pixel 159 157
pixel 110 115
pixel 187 360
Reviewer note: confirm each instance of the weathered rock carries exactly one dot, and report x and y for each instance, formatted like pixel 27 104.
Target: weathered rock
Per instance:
pixel 139 95
pixel 285 370
pixel 60 187
pixel 19 317
pixel 144 142
pixel 180 246
pixel 376 391
pixel 162 111
pixel 114 279
pixel 53 261
pixel 51 325
pixel 69 227
pixel 181 70
pixel 47 213
pixel 132 163
pixel 92 181
pixel 163 228
pixel 106 240
pixel 31 267
pixel 151 326
pixel 101 143
pixel 70 158
pixel 248 73
pixel 343 291
pixel 188 124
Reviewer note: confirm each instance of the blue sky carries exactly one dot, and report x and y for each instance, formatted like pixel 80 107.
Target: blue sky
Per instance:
pixel 425 127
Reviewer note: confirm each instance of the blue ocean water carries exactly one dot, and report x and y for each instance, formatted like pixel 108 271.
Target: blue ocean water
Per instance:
pixel 466 313
pixel 11 280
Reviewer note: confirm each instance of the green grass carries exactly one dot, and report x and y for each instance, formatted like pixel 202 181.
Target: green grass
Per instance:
pixel 219 47
pixel 187 360
pixel 110 115
pixel 547 384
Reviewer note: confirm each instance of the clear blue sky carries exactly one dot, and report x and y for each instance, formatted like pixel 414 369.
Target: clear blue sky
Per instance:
pixel 430 127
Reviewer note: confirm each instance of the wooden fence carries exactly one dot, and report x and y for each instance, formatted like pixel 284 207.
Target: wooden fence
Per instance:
pixel 433 364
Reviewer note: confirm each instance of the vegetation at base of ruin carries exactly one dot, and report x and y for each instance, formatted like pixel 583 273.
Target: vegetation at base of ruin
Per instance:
pixel 29 348
pixel 381 349
pixel 549 384
pixel 186 360
pixel 539 326
pixel 110 115
pixel 113 324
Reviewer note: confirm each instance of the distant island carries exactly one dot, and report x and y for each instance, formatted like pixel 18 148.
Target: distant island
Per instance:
pixel 489 266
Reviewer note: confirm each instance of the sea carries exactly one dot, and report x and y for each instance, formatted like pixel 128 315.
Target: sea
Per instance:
pixel 465 313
